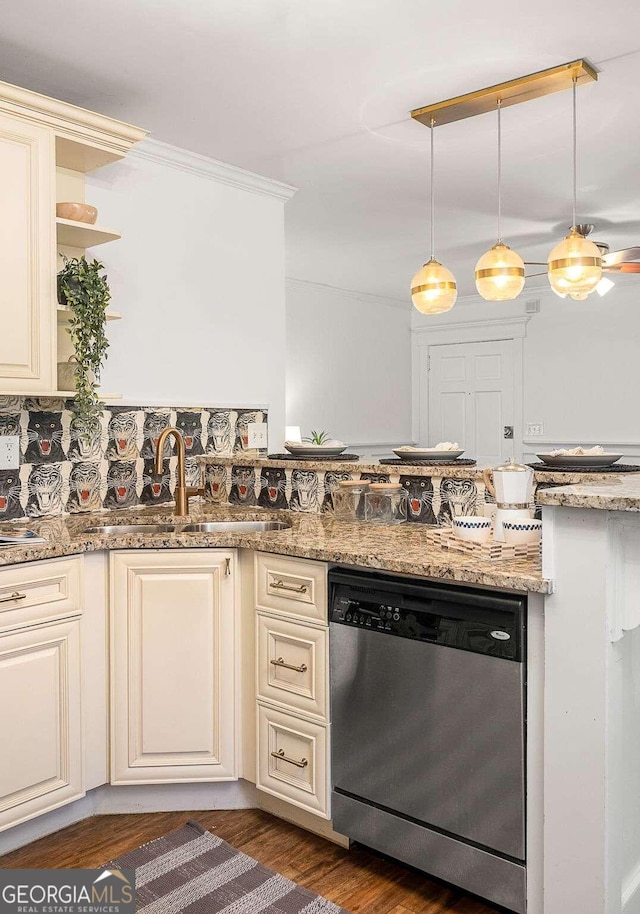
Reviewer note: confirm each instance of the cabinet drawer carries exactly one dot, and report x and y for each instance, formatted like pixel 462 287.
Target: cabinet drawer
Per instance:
pixel 293 760
pixel 294 587
pixel 292 665
pixel 39 592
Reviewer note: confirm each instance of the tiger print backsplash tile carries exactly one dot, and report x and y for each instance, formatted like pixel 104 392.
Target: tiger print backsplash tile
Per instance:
pixel 434 500
pixel 64 471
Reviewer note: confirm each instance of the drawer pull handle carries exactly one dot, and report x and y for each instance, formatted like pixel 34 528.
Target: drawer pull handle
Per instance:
pixel 289 666
pixel 227 567
pixel 14 596
pixel 280 754
pixel 280 585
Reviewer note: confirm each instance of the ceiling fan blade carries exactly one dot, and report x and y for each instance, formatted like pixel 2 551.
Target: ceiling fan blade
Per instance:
pixel 626 255
pixel 544 273
pixel 535 263
pixel 622 268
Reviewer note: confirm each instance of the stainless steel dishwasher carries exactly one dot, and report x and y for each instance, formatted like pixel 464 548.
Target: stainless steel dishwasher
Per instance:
pixel 428 687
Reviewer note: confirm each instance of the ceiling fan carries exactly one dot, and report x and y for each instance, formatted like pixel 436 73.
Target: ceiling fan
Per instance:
pixel 626 260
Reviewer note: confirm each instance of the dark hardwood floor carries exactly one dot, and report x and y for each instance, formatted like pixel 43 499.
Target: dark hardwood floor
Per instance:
pixel 358 880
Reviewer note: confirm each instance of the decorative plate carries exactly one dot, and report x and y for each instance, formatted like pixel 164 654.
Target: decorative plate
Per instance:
pixel 426 453
pixel 579 460
pixel 318 450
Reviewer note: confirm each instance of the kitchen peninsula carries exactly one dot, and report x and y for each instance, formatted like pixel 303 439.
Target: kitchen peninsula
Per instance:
pixel 583 739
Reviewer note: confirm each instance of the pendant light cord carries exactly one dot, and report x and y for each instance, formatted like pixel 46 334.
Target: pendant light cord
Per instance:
pixel 432 125
pixel 575 152
pixel 499 173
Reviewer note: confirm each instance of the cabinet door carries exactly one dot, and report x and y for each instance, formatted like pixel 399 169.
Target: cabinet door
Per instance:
pixel 27 257
pixel 173 669
pixel 41 758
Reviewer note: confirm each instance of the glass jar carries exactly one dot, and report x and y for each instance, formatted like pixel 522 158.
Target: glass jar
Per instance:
pixel 348 499
pixel 385 503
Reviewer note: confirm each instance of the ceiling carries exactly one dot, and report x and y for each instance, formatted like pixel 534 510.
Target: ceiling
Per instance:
pixel 316 93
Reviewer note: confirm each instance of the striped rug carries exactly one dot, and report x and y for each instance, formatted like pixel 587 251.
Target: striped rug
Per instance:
pixel 191 870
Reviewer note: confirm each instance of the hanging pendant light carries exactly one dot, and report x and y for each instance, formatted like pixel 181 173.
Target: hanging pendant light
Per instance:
pixel 575 265
pixel 433 288
pixel 500 271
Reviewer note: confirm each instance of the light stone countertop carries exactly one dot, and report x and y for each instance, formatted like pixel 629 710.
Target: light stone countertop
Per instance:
pixel 405 469
pixel 618 493
pixel 403 549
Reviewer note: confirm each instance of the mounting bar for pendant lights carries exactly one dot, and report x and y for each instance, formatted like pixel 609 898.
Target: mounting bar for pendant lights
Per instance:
pixel 513 92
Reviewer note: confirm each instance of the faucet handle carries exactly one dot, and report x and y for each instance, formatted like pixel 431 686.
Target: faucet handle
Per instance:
pixel 194 490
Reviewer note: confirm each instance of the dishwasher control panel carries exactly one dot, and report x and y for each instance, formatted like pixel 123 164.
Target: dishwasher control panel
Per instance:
pixel 431 617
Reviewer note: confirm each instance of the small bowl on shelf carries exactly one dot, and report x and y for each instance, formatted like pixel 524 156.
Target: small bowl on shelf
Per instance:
pixel 522 532
pixel 77 212
pixel 473 528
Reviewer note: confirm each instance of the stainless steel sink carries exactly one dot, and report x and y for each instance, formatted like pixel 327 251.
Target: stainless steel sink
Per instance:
pixel 217 526
pixel 236 526
pixel 115 529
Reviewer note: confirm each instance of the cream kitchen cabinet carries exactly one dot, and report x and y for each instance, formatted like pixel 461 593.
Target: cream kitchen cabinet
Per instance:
pixel 46 147
pixel 27 257
pixel 292 681
pixel 41 763
pixel 174 682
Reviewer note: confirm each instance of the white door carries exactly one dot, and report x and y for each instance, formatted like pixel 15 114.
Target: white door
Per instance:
pixel 471 399
pixel 41 756
pixel 27 257
pixel 173 698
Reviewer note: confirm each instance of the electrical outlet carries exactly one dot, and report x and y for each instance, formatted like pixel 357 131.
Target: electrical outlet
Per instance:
pixel 257 433
pixel 535 430
pixel 9 452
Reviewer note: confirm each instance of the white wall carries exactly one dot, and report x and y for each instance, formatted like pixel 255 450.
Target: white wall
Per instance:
pixel 348 366
pixel 580 363
pixel 199 278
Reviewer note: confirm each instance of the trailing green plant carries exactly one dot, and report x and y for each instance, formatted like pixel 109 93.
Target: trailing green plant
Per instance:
pixel 83 287
pixel 317 437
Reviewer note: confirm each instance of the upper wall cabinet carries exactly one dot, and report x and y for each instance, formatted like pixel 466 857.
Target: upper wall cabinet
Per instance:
pixel 27 255
pixel 46 148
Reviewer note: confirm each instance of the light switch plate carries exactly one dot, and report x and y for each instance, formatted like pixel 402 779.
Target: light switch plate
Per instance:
pixel 9 452
pixel 257 433
pixel 535 429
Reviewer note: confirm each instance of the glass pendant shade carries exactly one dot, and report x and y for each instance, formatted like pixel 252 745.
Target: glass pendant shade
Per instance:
pixel 433 289
pixel 500 274
pixel 575 266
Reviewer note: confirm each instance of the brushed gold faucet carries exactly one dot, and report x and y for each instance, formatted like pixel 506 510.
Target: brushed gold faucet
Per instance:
pixel 182 491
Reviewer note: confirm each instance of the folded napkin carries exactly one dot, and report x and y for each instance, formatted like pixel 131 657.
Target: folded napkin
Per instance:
pixel 578 451
pixel 442 446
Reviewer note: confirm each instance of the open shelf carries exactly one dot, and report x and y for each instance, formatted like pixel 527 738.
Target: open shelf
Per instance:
pixel 82 235
pixel 84 156
pixel 64 314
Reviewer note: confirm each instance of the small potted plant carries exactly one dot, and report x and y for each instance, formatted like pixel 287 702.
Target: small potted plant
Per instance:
pixel 83 288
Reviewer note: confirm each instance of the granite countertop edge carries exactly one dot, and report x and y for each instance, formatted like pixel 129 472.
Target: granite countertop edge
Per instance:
pixel 618 494
pixel 401 550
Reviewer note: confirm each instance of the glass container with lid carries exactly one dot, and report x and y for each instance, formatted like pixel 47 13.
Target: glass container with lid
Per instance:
pixel 348 499
pixel 385 503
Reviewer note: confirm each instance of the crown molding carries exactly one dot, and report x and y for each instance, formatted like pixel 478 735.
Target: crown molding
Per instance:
pixel 204 167
pixel 514 327
pixel 70 121
pixel 367 298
